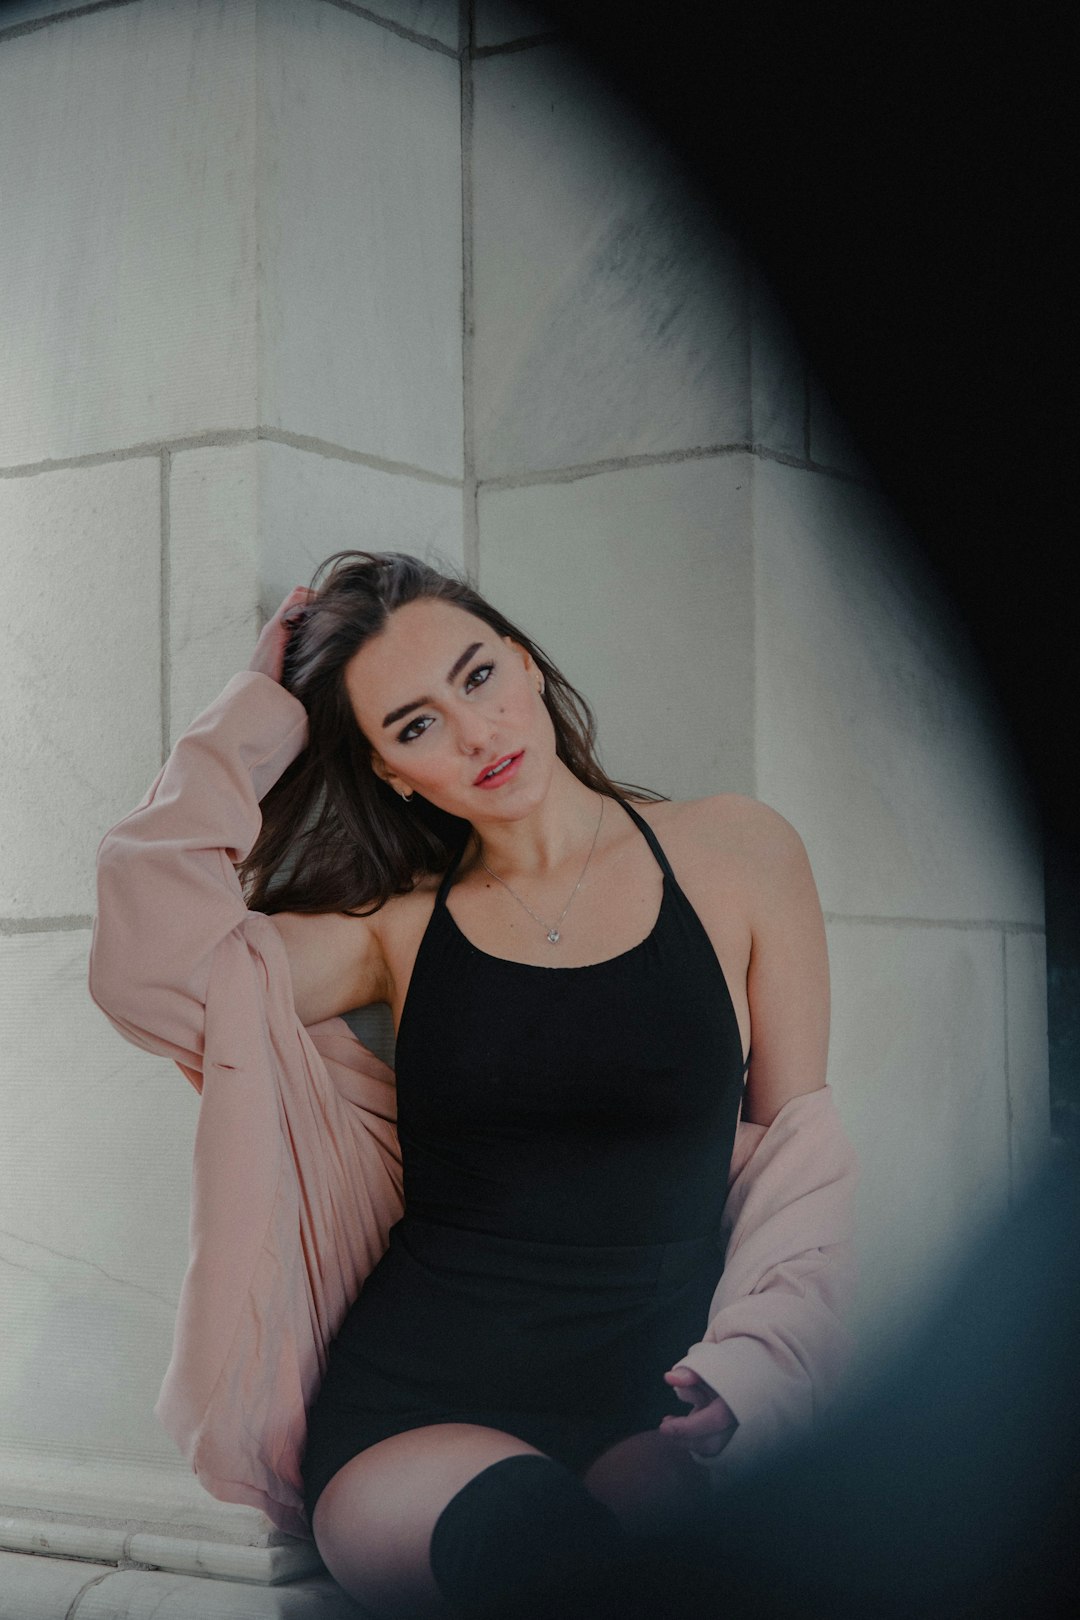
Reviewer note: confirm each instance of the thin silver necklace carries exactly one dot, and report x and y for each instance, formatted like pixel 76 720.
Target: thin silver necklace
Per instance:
pixel 551 929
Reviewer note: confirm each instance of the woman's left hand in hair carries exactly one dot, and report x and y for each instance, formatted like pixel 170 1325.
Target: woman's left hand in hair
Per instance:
pixel 708 1428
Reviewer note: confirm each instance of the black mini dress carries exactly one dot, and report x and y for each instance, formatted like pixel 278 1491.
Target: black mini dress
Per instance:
pixel 566 1137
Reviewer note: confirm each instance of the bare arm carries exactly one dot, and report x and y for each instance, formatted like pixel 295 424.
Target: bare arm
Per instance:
pixel 787 985
pixel 787 982
pixel 336 963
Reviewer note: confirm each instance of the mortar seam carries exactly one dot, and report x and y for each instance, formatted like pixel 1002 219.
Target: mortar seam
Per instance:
pixel 525 43
pixel 166 605
pixel 35 23
pixel 968 924
pixel 427 41
pixel 591 469
pixel 229 438
pixel 470 539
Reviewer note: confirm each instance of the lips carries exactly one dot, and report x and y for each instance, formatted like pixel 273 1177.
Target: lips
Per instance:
pixel 506 765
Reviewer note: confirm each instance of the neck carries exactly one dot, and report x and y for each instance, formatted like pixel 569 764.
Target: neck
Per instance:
pixel 540 842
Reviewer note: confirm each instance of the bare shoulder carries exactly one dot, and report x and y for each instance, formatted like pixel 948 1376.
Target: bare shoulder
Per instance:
pixel 400 921
pixel 731 827
pixel 756 866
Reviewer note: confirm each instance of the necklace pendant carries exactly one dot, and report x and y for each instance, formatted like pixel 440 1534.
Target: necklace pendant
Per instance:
pixel 553 935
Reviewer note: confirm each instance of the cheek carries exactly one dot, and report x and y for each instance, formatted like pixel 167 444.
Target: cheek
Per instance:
pixel 427 769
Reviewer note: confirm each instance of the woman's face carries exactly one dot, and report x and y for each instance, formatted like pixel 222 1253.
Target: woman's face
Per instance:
pixel 442 698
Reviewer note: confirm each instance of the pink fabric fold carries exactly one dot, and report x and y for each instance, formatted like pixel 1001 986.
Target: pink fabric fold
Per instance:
pixel 296 1174
pixel 777 1344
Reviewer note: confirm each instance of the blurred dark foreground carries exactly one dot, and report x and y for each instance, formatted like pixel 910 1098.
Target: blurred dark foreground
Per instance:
pixel 947 1489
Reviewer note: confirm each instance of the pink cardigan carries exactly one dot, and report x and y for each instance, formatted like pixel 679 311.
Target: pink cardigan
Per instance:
pixel 296 1178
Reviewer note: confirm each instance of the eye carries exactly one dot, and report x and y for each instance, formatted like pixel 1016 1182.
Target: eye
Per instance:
pixel 417 727
pixel 481 669
pixel 410 732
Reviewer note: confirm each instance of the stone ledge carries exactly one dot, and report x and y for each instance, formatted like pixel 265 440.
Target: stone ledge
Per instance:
pixel 107 1542
pixel 133 1513
pixel 126 1494
pixel 33 1588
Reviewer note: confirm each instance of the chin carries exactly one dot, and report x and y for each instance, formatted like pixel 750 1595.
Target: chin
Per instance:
pixel 504 805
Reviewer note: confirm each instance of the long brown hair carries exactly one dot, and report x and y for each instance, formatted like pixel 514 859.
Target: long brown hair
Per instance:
pixel 335 836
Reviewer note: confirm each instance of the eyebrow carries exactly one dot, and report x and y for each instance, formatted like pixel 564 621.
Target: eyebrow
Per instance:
pixel 418 703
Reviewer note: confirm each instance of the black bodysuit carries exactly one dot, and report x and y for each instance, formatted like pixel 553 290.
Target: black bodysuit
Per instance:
pixel 566 1136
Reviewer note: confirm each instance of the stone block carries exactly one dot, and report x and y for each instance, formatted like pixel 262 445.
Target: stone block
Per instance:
pixel 106 1542
pixel 213 575
pixel 250 521
pixel 44 1588
pixel 136 1594
pixel 359 222
pixel 777 376
pixel 876 735
pixel 94 1178
pixel 610 311
pixel 80 736
pixel 1028 1055
pixel 311 506
pixel 499 22
pixel 637 582
pixel 434 19
pixel 917 1063
pixel 137 1497
pixel 127 144
pixel 52 1538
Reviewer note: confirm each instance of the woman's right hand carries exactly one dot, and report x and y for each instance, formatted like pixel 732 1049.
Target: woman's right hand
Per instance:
pixel 269 654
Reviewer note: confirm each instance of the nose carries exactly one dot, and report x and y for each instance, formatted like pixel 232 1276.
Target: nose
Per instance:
pixel 474 730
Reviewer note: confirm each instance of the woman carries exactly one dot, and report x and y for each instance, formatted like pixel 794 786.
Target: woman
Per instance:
pixel 459 711
pixel 556 916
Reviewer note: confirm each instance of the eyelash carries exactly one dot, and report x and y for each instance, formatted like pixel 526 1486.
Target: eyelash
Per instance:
pixel 403 736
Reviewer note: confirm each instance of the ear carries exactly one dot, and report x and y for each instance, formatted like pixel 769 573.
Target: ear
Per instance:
pixel 522 652
pixel 384 773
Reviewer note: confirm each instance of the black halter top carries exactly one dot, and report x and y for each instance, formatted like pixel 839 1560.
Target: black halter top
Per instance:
pixel 580 1105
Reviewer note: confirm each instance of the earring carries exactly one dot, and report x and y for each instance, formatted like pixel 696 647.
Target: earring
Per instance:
pixel 540 688
pixel 406 797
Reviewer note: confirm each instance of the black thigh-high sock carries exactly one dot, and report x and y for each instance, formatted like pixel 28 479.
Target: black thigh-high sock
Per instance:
pixel 525 1536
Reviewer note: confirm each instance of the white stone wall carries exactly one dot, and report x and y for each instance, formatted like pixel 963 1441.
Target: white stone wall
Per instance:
pixel 232 271
pixel 282 278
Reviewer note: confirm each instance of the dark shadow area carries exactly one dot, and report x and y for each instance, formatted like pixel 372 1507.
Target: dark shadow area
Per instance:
pixel 903 178
pixel 949 1490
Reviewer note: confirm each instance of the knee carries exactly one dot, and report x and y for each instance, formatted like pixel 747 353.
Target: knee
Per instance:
pixel 650 1482
pixel 373 1522
pixel 525 1537
pixel 373 1551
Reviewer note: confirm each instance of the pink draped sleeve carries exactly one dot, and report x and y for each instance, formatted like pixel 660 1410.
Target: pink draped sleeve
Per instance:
pixel 296 1175
pixel 777 1341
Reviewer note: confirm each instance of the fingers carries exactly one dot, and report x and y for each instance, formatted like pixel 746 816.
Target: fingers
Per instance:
pixel 295 605
pixel 269 654
pixel 695 1397
pixel 705 1432
pixel 689 1387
